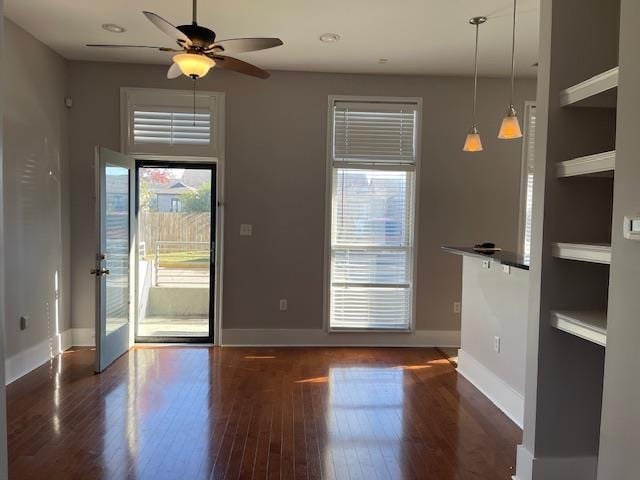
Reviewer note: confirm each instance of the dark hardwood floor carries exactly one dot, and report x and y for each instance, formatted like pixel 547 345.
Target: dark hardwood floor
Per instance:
pixel 242 413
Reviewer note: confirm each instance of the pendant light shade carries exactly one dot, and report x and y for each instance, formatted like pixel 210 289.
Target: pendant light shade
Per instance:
pixel 473 143
pixel 510 127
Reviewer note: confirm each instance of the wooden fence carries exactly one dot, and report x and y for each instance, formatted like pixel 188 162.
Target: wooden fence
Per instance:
pixel 173 227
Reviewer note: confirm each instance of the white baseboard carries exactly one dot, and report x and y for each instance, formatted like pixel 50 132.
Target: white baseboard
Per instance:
pixel 320 338
pixel 83 337
pixel 554 468
pixel 31 358
pixel 497 390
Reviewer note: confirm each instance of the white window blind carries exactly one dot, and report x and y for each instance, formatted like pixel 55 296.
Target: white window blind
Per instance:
pixel 164 122
pixel 171 128
pixel 372 215
pixel 528 177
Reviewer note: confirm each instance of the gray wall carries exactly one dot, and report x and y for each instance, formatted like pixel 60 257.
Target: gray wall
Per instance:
pixel 3 415
pixel 620 431
pixel 275 180
pixel 36 190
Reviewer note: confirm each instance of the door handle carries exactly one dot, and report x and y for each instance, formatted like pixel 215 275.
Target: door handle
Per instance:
pixel 98 272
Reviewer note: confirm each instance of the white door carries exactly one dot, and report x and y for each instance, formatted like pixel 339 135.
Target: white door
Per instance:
pixel 113 273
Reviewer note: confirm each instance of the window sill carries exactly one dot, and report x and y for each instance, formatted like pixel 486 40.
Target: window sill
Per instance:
pixel 371 330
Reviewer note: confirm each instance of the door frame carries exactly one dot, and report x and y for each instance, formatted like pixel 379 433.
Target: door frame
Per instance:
pixel 216 165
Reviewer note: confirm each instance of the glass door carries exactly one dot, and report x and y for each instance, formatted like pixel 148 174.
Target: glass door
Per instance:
pixel 176 252
pixel 114 187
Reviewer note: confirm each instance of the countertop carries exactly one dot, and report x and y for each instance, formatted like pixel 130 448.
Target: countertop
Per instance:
pixel 504 257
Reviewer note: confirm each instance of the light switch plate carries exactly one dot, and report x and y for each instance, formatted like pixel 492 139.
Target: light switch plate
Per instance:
pixel 246 230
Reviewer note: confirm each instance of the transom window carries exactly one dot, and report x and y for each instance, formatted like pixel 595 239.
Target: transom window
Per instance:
pixel 373 160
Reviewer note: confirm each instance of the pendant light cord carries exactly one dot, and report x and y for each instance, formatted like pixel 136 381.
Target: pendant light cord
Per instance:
pixel 195 11
pixel 475 77
pixel 194 102
pixel 513 54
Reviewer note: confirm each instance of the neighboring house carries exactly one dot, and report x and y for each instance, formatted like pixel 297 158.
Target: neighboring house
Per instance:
pixel 168 199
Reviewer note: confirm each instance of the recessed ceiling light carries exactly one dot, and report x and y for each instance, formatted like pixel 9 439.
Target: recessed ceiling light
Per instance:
pixel 113 28
pixel 383 60
pixel 329 37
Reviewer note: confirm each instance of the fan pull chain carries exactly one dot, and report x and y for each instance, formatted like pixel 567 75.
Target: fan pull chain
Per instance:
pixel 194 102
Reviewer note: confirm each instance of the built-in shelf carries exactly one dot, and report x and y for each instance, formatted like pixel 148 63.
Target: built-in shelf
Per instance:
pixel 583 252
pixel 598 165
pixel 589 325
pixel 598 91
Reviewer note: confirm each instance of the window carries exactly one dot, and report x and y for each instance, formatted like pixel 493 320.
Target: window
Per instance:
pixel 526 190
pixel 176 205
pixel 373 157
pixel 164 122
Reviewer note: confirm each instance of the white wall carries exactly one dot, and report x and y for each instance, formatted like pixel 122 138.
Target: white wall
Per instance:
pixel 36 201
pixel 494 304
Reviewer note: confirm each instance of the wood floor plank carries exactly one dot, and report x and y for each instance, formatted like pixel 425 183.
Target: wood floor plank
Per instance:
pixel 192 413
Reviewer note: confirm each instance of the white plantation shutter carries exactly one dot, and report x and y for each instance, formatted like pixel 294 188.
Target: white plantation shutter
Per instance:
pixel 171 128
pixel 164 122
pixel 529 162
pixel 373 160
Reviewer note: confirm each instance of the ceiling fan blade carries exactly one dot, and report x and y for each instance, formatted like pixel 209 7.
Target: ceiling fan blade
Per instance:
pixel 174 71
pixel 168 28
pixel 239 45
pixel 230 63
pixel 103 45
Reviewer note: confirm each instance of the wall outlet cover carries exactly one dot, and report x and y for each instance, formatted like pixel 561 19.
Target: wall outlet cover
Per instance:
pixel 457 307
pixel 496 344
pixel 246 230
pixel 283 305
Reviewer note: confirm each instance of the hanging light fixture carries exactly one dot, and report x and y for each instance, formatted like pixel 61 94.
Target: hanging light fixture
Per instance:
pixel 510 127
pixel 473 143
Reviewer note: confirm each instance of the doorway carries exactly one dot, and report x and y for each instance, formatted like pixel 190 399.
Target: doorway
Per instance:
pixel 176 251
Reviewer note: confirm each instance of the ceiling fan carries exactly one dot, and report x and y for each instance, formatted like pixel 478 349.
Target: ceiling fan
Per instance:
pixel 198 50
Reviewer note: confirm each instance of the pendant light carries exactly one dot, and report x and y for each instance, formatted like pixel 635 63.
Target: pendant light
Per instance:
pixel 473 143
pixel 510 127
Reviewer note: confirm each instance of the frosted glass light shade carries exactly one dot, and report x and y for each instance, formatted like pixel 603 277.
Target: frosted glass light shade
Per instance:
pixel 510 127
pixel 473 143
pixel 192 65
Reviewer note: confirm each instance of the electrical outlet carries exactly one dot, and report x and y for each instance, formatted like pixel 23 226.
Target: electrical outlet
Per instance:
pixel 457 307
pixel 23 323
pixel 496 344
pixel 283 305
pixel 486 264
pixel 246 230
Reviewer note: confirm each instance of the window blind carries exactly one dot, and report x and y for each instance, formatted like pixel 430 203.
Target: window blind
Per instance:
pixel 372 217
pixel 529 149
pixel 376 133
pixel 171 128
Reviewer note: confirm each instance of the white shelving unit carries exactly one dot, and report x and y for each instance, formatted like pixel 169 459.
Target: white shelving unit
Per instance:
pixel 590 325
pixel 597 91
pixel 598 165
pixel 583 252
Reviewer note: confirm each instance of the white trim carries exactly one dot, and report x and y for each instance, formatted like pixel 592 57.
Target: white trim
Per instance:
pixel 83 337
pixel 590 325
pixel 322 338
pixel 583 252
pixel 589 88
pixel 588 165
pixel 330 165
pixel 553 468
pixel 493 387
pixel 33 357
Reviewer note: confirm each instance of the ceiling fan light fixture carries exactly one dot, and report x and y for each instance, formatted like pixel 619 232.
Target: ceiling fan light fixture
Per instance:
pixel 194 65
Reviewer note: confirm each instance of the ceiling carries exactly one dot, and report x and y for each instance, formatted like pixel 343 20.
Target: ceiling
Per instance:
pixel 416 36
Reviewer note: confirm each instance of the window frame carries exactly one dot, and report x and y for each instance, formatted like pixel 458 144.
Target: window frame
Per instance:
pixel 329 168
pixel 522 218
